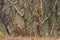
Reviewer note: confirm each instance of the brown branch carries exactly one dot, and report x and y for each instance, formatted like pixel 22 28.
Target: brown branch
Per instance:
pixel 38 20
pixel 41 6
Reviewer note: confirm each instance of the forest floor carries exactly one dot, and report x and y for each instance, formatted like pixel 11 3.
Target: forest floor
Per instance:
pixel 29 38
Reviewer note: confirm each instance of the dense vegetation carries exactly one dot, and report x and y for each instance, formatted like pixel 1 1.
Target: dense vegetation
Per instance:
pixel 28 17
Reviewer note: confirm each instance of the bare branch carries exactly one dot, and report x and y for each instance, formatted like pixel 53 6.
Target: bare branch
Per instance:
pixel 8 6
pixel 49 13
pixel 19 13
pixel 46 19
pixel 54 5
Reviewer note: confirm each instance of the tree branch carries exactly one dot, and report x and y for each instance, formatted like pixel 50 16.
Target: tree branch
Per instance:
pixel 8 6
pixel 49 14
pixel 19 13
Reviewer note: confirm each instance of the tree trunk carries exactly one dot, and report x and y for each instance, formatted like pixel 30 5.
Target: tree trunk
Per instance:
pixel 38 20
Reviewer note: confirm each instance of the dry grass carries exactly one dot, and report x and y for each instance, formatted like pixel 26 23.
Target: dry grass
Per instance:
pixel 29 38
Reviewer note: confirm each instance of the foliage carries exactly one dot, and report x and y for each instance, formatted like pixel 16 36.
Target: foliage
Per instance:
pixel 26 12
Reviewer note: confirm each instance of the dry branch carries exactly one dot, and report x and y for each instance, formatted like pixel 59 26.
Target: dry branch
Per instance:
pixel 19 13
pixel 46 19
pixel 54 5
pixel 8 6
pixel 49 13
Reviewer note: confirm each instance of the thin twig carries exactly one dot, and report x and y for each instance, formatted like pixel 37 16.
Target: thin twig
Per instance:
pixel 50 13
pixel 46 19
pixel 8 6
pixel 54 5
pixel 19 13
